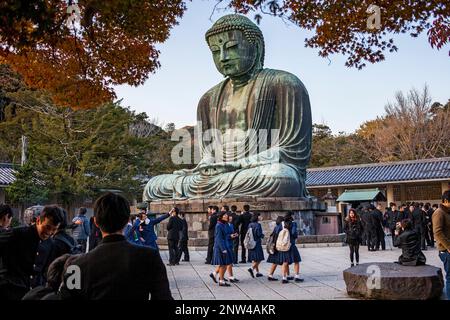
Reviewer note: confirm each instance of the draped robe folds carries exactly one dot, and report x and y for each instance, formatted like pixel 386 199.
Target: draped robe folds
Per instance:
pixel 276 100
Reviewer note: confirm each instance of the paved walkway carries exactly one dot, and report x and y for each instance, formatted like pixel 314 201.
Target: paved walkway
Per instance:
pixel 321 268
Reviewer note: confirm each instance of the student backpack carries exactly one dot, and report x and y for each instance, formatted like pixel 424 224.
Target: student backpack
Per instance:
pixel 249 241
pixel 284 240
pixel 272 243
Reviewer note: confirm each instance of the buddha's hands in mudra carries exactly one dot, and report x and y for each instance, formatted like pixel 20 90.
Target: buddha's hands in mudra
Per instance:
pixel 211 169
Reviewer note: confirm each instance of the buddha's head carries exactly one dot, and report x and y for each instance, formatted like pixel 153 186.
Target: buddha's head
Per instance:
pixel 237 46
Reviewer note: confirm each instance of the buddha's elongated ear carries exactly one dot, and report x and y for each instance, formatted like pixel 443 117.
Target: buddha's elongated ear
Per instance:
pixel 259 63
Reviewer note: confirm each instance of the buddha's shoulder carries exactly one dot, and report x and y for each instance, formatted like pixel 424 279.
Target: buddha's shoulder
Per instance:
pixel 213 91
pixel 282 77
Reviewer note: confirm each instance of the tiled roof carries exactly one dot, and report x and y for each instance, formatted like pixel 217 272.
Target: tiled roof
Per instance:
pixel 414 170
pixel 427 169
pixel 6 174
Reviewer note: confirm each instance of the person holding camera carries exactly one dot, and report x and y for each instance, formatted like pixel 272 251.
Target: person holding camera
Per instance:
pixel 408 240
pixel 146 228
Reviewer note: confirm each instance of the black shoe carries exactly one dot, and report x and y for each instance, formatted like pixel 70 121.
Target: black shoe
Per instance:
pixel 250 270
pixel 352 265
pixel 212 277
pixel 284 281
pixel 272 279
pixel 242 261
pixel 290 278
pixel 259 275
pixel 225 279
pixel 170 264
pixel 234 280
pixel 177 264
pixel 206 262
pixel 184 260
pixel 224 284
pixel 299 280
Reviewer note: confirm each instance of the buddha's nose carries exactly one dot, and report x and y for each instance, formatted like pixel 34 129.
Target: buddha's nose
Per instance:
pixel 223 55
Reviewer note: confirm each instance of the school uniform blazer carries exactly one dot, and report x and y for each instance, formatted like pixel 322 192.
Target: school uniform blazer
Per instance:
pixel 230 231
pixel 148 230
pixel 258 234
pixel 220 236
pixel 119 270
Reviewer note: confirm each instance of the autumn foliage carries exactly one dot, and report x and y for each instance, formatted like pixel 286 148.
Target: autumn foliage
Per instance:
pixel 341 26
pixel 114 43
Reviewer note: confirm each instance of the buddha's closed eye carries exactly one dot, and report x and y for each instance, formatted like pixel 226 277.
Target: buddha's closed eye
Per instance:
pixel 231 44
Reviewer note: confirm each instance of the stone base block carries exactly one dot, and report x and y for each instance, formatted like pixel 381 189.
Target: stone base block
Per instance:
pixel 391 281
pixel 270 208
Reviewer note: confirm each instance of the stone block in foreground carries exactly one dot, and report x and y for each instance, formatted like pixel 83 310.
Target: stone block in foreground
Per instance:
pixel 391 281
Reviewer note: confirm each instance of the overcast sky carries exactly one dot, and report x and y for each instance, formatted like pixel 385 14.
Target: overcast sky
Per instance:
pixel 340 97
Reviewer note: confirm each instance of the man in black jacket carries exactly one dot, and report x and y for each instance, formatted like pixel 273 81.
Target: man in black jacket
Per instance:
pixel 379 228
pixel 19 249
pixel 371 228
pixel 213 214
pixel 184 237
pixel 116 269
pixel 393 218
pixel 417 218
pixel 174 227
pixel 365 217
pixel 244 221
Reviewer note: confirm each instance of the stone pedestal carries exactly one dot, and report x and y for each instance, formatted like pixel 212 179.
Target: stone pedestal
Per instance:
pixel 391 281
pixel 269 208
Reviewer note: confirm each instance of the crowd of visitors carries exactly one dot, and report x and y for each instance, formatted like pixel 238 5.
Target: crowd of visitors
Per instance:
pixel 114 255
pixel 413 227
pixel 230 229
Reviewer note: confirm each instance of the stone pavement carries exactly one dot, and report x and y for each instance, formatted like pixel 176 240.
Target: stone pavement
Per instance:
pixel 321 268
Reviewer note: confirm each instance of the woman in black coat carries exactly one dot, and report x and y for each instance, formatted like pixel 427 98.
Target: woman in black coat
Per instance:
pixel 353 229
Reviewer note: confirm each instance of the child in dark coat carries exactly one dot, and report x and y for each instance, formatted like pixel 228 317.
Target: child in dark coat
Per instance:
pixel 222 253
pixel 256 255
pixel 294 254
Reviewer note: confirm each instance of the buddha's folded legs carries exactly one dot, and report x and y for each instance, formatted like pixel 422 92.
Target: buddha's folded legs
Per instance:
pixel 263 181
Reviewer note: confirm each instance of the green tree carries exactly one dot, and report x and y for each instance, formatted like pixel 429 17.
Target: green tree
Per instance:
pixel 81 152
pixel 28 188
pixel 330 149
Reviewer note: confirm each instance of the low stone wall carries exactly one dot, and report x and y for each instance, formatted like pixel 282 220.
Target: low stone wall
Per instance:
pixel 269 208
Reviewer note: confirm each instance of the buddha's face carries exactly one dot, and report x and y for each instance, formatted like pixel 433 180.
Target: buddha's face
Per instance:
pixel 233 54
